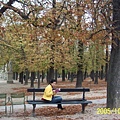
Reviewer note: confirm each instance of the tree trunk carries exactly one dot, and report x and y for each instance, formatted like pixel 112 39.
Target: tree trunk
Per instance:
pixel 15 75
pixel 92 75
pixel 113 86
pixel 79 78
pixel 85 74
pixel 113 81
pixel 63 74
pixel 47 77
pixel 80 65
pixel 80 47
pixel 56 74
pixel 32 79
pixel 21 77
pixel 101 75
pixel 68 77
pixel 38 77
pixel 43 76
pixel 26 76
pixel 71 77
pixel 96 78
pixel 106 65
pixel 51 74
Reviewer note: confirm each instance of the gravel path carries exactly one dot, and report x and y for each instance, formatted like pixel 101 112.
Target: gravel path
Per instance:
pixel 90 114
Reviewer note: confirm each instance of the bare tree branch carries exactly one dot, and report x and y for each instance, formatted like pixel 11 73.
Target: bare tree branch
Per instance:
pixel 4 8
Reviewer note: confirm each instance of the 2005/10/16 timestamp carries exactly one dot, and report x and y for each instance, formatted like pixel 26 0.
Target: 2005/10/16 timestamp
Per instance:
pixel 106 111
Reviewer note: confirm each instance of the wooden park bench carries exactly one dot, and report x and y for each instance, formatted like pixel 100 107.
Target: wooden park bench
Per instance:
pixel 81 101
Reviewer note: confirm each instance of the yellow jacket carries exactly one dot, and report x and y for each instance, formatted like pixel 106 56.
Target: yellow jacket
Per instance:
pixel 48 93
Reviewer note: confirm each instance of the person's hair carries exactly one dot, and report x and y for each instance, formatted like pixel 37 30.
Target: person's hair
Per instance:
pixel 52 81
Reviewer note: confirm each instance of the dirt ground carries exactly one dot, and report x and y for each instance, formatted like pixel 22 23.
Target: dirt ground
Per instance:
pixel 72 112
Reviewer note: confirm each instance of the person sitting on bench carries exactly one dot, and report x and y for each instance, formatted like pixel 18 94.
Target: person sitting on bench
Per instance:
pixel 50 92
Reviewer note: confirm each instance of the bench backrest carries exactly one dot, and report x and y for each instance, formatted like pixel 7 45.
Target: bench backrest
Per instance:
pixel 3 99
pixel 34 90
pixel 18 96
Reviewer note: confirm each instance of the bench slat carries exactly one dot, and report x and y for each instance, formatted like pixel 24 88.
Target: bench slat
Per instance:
pixel 63 102
pixel 62 90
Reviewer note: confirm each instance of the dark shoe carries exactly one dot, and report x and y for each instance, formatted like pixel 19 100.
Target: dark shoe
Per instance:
pixel 60 107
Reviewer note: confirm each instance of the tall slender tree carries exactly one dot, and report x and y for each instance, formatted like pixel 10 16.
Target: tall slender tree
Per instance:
pixel 113 79
pixel 80 47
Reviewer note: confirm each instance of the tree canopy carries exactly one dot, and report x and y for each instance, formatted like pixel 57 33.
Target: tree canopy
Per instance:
pixel 32 27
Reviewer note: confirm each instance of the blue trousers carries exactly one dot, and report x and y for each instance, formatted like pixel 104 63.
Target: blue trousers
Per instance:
pixel 56 99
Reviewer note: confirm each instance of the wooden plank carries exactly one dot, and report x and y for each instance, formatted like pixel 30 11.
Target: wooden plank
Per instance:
pixel 63 102
pixel 61 90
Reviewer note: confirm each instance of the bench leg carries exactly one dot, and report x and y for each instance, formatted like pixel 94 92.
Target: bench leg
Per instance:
pixel 83 107
pixel 33 112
